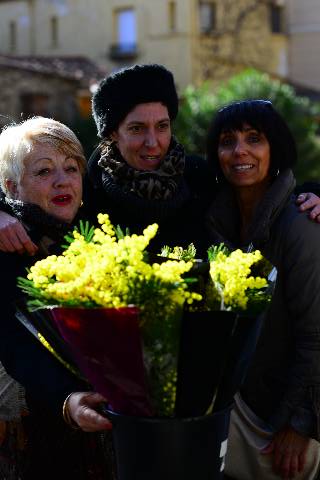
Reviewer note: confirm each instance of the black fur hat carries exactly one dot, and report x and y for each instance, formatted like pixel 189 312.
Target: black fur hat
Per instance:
pixel 119 93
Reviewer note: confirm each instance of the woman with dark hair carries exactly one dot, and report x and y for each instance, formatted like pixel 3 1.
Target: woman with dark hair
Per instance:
pixel 275 423
pixel 139 172
pixel 282 146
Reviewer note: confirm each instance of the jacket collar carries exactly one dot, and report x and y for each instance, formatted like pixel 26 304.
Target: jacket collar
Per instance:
pixel 223 219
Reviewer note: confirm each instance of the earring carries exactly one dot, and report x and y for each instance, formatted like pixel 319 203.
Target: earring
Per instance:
pixel 81 204
pixel 217 178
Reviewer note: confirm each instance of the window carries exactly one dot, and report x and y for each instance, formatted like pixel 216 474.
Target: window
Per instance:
pixel 276 18
pixel 13 36
pixel 125 47
pixel 54 31
pixel 126 30
pixel 34 104
pixel 207 16
pixel 172 16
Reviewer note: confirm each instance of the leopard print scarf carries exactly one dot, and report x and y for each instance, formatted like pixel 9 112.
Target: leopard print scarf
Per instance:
pixel 159 184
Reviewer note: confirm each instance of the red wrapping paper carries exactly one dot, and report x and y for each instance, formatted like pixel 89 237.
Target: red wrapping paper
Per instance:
pixel 106 345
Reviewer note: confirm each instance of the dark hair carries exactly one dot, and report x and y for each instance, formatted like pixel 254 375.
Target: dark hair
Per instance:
pixel 260 115
pixel 121 91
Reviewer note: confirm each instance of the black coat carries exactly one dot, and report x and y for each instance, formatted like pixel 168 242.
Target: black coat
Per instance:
pixel 53 449
pixel 180 219
pixel 282 384
pixel 24 358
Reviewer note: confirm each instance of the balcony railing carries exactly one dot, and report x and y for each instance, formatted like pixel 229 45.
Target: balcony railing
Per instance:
pixel 123 51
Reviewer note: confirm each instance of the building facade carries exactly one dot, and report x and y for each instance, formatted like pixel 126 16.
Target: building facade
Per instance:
pixel 304 42
pixel 196 39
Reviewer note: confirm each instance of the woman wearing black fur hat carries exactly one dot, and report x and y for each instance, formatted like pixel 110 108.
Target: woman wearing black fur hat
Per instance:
pixel 139 172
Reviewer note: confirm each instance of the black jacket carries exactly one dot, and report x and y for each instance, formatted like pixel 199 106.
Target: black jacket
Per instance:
pixel 282 386
pixel 47 383
pixel 53 449
pixel 180 219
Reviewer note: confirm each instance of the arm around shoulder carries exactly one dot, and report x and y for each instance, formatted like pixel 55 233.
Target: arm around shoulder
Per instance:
pixel 13 236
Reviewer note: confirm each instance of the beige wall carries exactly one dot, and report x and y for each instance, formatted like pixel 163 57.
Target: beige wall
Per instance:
pixel 304 32
pixel 156 43
pixel 89 29
pixel 84 27
pixel 15 12
pixel 278 60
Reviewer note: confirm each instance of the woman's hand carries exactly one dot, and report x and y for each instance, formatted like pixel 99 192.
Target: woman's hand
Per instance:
pixel 310 201
pixel 289 450
pixel 81 407
pixel 13 237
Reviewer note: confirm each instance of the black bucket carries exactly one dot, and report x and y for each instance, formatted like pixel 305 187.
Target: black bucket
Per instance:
pixel 204 348
pixel 170 449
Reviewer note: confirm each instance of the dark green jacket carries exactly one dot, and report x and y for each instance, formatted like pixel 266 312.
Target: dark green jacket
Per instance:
pixel 283 383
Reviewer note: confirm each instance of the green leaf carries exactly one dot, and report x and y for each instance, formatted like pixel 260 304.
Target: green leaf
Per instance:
pixel 215 249
pixel 179 253
pixel 120 233
pixel 84 229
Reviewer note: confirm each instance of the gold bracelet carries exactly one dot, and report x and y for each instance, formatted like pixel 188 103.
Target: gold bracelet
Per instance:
pixel 66 414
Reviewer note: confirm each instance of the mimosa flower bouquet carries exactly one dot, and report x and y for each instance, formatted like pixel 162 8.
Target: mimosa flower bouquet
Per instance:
pixel 220 332
pixel 125 318
pixel 119 313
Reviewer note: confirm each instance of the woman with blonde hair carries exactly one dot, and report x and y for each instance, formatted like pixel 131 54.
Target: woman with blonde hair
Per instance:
pixel 41 169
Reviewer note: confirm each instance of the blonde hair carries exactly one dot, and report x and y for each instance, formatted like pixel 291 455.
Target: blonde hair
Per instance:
pixel 17 141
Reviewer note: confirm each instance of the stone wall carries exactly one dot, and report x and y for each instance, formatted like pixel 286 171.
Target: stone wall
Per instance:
pixel 59 95
pixel 242 39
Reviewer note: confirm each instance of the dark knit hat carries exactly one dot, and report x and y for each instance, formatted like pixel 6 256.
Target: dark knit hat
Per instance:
pixel 119 93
